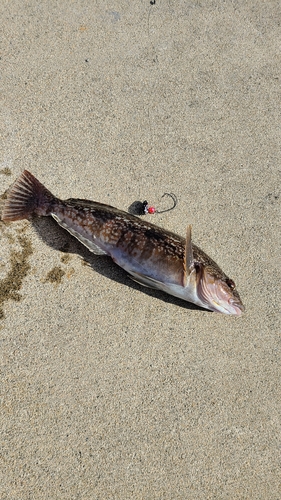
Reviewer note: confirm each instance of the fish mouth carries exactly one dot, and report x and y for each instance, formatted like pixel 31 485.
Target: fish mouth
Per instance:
pixel 231 307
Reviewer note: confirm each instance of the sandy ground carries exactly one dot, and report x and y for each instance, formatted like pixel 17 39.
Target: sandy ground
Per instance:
pixel 109 390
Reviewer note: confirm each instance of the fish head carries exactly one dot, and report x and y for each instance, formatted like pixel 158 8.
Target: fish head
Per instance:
pixel 217 292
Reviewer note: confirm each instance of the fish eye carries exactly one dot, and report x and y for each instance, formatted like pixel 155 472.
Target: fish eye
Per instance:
pixel 197 266
pixel 230 283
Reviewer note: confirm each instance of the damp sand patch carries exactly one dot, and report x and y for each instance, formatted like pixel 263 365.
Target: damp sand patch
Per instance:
pixel 55 275
pixel 19 267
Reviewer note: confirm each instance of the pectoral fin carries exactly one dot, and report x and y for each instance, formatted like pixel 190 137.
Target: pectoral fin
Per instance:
pixel 188 256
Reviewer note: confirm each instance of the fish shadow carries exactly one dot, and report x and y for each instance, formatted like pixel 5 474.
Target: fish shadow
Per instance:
pixel 58 239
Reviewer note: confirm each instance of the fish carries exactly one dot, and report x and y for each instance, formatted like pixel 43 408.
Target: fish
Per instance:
pixel 153 256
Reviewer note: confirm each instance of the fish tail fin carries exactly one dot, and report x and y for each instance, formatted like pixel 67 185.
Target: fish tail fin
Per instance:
pixel 27 198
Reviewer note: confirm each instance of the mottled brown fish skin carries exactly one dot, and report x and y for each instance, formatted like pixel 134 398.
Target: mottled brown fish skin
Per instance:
pixel 125 235
pixel 117 227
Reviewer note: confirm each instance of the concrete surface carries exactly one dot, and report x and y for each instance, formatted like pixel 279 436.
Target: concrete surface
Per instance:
pixel 109 390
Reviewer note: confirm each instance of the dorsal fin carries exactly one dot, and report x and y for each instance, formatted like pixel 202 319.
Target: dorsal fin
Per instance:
pixel 188 255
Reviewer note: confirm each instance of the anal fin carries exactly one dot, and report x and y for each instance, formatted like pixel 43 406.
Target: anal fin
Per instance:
pixel 85 241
